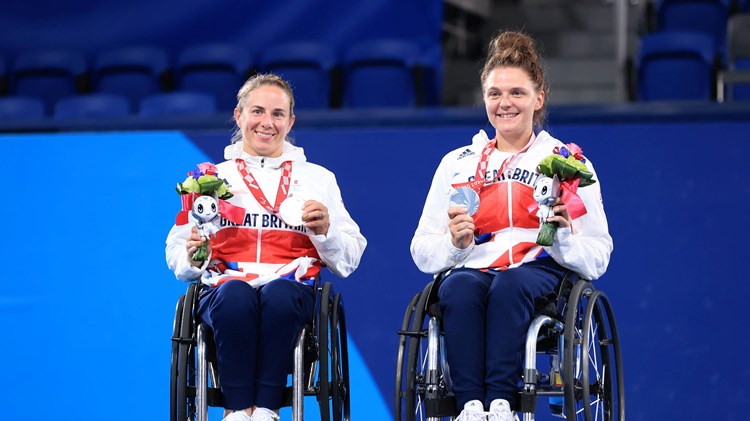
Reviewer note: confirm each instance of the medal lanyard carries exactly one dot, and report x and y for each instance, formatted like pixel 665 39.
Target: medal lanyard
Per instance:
pixel 281 193
pixel 481 174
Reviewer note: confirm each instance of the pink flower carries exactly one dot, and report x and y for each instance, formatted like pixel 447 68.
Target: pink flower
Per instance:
pixel 208 168
pixel 576 151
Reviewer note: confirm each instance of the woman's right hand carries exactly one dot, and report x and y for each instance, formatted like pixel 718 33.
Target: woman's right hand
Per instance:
pixel 461 226
pixel 193 242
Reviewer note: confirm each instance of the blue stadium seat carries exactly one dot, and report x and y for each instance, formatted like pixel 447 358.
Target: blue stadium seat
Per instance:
pixel 706 16
pixel 133 72
pixel 381 73
pixel 178 103
pixel 20 108
pixel 310 68
pixel 92 105
pixel 676 66
pixel 218 69
pixel 431 76
pixel 48 75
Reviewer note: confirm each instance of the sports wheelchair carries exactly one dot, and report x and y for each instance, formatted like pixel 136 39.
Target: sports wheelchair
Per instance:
pixel 574 326
pixel 320 366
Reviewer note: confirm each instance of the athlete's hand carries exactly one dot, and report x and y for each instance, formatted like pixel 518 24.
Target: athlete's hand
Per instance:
pixel 193 242
pixel 562 217
pixel 315 215
pixel 461 226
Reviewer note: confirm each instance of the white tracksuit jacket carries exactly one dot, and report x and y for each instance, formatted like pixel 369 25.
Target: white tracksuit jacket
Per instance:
pixel 505 214
pixel 264 248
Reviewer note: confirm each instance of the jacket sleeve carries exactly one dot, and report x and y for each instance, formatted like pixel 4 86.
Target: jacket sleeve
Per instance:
pixel 431 247
pixel 342 247
pixel 585 247
pixel 177 258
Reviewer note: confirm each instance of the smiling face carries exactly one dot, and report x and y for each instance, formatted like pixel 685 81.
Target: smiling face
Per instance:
pixel 510 100
pixel 264 120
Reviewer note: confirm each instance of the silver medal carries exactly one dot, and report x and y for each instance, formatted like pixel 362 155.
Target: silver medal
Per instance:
pixel 467 198
pixel 290 211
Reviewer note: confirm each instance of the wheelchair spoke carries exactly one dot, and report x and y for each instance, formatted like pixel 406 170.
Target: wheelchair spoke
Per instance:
pixel 596 404
pixel 593 355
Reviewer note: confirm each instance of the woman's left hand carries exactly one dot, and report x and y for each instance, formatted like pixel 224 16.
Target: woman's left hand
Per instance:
pixel 315 215
pixel 561 214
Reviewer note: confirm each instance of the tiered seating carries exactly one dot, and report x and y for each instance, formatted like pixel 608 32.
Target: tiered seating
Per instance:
pixel 20 108
pixel 381 73
pixel 676 66
pixel 699 51
pixel 215 69
pixel 133 72
pixel 178 103
pixel 706 16
pixel 140 80
pixel 311 68
pixel 48 75
pixel 92 105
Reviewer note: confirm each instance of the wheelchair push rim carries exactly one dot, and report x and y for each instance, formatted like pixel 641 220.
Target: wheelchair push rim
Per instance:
pixel 333 371
pixel 183 369
pixel 592 363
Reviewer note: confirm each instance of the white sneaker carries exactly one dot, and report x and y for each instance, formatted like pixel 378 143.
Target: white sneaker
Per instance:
pixel 240 415
pixel 500 411
pixel 264 414
pixel 473 411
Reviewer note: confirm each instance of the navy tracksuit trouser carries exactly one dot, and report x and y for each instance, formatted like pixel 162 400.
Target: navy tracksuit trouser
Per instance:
pixel 485 317
pixel 255 331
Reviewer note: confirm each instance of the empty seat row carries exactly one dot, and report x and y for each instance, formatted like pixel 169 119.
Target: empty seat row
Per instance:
pixel 108 105
pixel 687 64
pixel 710 17
pixel 369 74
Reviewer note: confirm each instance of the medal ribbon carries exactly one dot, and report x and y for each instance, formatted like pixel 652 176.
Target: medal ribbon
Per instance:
pixel 281 193
pixel 479 178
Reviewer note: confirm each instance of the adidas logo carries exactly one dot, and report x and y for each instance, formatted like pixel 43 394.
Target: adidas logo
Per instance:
pixel 466 153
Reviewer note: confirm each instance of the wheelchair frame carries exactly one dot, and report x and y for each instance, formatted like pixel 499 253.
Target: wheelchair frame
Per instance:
pixel 194 380
pixel 585 359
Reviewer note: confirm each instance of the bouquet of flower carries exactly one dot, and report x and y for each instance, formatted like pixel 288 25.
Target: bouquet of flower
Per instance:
pixel 204 180
pixel 564 171
pixel 203 197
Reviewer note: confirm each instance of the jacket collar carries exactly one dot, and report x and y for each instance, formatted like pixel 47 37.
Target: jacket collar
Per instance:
pixel 289 153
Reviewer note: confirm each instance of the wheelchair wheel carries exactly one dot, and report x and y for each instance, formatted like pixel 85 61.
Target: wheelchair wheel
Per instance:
pixel 175 357
pixel 182 375
pixel 592 363
pixel 401 389
pixel 422 392
pixel 333 369
pixel 408 404
pixel 340 359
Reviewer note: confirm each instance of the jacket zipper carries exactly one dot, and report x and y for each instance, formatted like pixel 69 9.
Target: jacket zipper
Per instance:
pixel 510 220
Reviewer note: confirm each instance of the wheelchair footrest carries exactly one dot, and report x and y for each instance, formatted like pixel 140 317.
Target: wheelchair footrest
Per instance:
pixel 440 407
pixel 526 402
pixel 214 397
